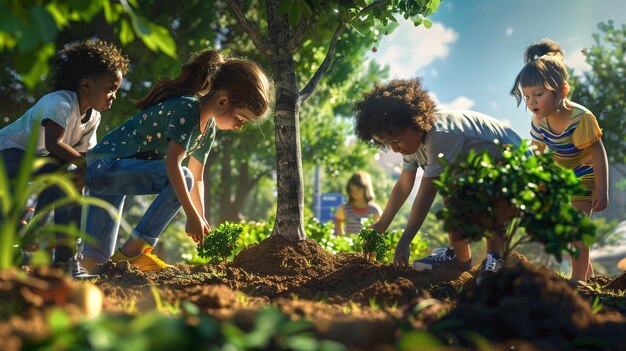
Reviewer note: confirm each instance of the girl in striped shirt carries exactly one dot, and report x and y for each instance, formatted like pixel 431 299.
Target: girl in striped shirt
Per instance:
pixel 568 129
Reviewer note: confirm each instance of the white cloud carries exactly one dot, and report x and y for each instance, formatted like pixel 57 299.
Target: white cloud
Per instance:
pixel 576 60
pixel 508 32
pixel 408 48
pixel 460 103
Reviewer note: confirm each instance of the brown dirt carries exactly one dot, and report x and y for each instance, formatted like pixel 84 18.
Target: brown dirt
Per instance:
pixel 364 305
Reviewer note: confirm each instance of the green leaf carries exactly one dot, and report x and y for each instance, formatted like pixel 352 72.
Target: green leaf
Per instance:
pixel 295 15
pixel 33 66
pixel 45 24
pixel 126 34
pixel 284 6
pixel 156 37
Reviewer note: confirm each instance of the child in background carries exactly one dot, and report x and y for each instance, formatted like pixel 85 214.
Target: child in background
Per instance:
pixel 568 129
pixel 401 115
pixel 85 78
pixel 144 155
pixel 360 205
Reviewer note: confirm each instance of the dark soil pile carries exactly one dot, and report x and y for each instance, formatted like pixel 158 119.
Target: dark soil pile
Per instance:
pixel 618 284
pixel 361 304
pixel 532 304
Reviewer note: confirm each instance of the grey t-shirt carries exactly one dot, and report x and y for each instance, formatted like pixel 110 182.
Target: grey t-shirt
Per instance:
pixel 455 133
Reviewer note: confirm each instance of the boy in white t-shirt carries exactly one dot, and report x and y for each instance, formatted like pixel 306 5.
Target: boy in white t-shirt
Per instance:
pixel 84 80
pixel 402 116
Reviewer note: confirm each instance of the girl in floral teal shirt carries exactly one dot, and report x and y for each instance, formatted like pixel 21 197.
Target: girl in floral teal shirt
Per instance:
pixel 144 155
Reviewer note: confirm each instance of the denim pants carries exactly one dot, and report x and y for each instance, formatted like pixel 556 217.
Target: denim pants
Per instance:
pixel 62 215
pixel 112 179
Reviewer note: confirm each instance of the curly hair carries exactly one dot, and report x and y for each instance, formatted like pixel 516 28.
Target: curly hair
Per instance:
pixel 88 58
pixel 393 107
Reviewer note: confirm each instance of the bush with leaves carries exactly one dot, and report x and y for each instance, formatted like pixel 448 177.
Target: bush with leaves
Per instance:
pixel 219 244
pixel 375 244
pixel 488 195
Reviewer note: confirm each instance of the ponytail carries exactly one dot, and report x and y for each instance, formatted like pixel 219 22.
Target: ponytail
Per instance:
pixel 544 67
pixel 543 47
pixel 195 79
pixel 206 72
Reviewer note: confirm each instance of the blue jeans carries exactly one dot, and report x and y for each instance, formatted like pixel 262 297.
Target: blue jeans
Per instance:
pixel 111 179
pixel 62 215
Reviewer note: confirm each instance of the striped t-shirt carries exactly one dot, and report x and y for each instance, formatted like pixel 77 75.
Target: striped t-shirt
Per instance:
pixel 571 147
pixel 353 218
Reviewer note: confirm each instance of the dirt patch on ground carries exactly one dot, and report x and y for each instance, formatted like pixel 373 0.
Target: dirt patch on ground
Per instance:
pixel 363 305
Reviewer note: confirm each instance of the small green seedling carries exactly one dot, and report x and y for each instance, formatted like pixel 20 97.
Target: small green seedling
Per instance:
pixel 375 244
pixel 219 244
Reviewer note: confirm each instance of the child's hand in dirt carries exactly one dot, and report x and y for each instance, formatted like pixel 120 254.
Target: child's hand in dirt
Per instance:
pixel 197 228
pixel 401 256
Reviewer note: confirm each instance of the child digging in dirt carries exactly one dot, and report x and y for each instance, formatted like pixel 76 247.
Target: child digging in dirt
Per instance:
pixel 568 129
pixel 360 205
pixel 85 77
pixel 401 115
pixel 144 155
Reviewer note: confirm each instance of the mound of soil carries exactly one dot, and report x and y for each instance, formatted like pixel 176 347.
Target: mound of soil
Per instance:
pixel 619 283
pixel 362 304
pixel 532 304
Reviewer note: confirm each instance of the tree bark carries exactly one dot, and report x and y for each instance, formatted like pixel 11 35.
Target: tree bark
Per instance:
pixel 290 210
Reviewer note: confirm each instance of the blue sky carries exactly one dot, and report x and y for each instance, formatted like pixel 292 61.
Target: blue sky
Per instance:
pixel 471 54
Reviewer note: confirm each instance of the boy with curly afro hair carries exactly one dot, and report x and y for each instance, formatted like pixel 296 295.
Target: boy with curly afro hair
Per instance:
pixel 402 116
pixel 84 79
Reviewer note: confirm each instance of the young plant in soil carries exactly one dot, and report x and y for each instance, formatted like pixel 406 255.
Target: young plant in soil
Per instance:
pixel 487 195
pixel 219 244
pixel 375 244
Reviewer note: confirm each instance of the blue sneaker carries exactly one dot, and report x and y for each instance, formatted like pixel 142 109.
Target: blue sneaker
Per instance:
pixel 441 257
pixel 491 265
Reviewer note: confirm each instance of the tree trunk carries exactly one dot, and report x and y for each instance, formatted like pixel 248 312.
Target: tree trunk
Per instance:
pixel 290 211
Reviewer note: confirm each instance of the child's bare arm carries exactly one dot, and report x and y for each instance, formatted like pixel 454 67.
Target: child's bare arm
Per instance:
pixel 197 192
pixel 196 225
pixel 56 147
pixel 398 196
pixel 600 198
pixel 421 205
pixel 340 217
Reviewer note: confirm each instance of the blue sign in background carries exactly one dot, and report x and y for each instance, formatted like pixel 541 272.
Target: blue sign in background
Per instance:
pixel 324 209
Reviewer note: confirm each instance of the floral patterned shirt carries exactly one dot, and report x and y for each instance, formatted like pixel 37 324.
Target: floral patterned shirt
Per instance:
pixel 146 135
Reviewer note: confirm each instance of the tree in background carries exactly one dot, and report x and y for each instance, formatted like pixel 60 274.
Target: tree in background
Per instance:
pixel 278 30
pixel 603 91
pixel 193 25
pixel 603 88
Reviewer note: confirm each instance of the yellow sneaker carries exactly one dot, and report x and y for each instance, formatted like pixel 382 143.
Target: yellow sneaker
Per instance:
pixel 146 261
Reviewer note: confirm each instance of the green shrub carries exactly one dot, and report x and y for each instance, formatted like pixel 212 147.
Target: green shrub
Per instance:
pixel 220 243
pixel 519 190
